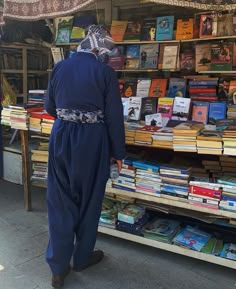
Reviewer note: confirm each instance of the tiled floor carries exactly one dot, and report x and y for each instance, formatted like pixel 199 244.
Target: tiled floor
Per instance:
pixel 23 238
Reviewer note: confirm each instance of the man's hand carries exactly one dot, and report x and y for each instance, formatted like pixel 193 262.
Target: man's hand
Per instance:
pixel 119 163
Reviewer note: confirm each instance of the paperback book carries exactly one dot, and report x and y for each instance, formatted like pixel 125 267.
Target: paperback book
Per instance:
pixel 164 28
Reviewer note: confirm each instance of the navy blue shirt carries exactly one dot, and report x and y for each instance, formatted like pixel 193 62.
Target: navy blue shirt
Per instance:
pixel 85 83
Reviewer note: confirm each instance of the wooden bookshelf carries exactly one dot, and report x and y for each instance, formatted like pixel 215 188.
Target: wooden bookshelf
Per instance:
pixel 168 247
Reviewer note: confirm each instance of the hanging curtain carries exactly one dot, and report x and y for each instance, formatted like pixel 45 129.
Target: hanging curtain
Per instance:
pixel 39 9
pixel 210 5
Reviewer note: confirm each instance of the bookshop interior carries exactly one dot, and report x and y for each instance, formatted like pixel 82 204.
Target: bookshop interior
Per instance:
pixel 176 66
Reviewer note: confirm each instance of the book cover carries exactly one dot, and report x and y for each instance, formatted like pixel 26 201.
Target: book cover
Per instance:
pixel 158 87
pixel 57 54
pixel 208 26
pixel 118 29
pixel 148 29
pixel 164 227
pixel 131 214
pixel 225 25
pixel 187 61
pixel 184 29
pixel 177 87
pixel 134 108
pixel 154 120
pixel 143 86
pixel 149 55
pixel 170 56
pixel 132 63
pixel 132 51
pixel 203 57
pixel 200 111
pixel 133 31
pixel 217 110
pixel 229 251
pixel 64 29
pixel 221 56
pixel 130 87
pixel 148 106
pixel 165 106
pixel 81 23
pixel 181 108
pixel 164 28
pixel 117 58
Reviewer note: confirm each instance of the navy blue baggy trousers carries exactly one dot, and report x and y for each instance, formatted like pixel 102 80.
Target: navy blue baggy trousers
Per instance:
pixel 78 169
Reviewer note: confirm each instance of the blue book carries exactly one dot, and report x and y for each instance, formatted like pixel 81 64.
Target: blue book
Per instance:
pixel 146 165
pixel 217 110
pixel 192 238
pixel 164 28
pixel 229 251
pixel 132 51
pixel 224 198
pixel 227 180
pixel 164 227
pixel 177 169
pixel 177 87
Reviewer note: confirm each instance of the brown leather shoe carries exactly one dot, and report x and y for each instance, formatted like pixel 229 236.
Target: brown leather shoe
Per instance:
pixel 96 257
pixel 58 280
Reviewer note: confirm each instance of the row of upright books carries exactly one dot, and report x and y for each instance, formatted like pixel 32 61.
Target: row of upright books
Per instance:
pixel 136 219
pixel 211 56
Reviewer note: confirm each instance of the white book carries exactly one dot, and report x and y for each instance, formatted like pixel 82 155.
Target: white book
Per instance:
pixel 170 57
pixel 143 86
pixel 134 108
pixel 154 119
pixel 181 108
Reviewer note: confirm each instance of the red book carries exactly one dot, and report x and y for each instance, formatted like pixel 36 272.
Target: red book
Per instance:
pixel 204 98
pixel 202 90
pixel 47 116
pixel 211 193
pixel 35 114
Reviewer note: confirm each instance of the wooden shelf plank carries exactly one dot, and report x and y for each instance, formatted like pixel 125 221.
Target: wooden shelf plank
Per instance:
pixel 217 72
pixel 209 38
pixel 168 247
pixel 173 203
pixel 20 71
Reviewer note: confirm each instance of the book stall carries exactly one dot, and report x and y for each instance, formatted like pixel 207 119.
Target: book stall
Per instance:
pixel 177 74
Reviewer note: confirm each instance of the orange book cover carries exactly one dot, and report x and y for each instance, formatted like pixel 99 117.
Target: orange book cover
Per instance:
pixel 158 87
pixel 118 29
pixel 184 29
pixel 200 112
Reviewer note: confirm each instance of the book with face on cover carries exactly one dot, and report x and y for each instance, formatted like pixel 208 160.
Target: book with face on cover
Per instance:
pixel 148 29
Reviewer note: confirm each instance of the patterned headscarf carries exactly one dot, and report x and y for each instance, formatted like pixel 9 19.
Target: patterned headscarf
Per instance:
pixel 98 37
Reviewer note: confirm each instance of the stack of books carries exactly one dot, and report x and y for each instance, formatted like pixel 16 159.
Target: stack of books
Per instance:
pixel 209 142
pixel 229 140
pixel 108 215
pixel 130 130
pixel 163 138
pixel 148 180
pixel 6 116
pixel 203 89
pixel 163 230
pixel 19 117
pixel 35 121
pixel 231 111
pixel 126 179
pixel 47 123
pixel 131 214
pixel 228 201
pixel 204 194
pixel 185 135
pixel 174 182
pixel 192 238
pixel 143 136
pixel 228 165
pixel 37 96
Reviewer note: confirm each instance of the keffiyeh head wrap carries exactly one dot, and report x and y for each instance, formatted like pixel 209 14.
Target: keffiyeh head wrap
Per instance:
pixel 99 38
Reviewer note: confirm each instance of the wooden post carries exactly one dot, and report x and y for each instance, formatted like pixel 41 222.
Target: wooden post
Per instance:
pixel 25 74
pixel 26 169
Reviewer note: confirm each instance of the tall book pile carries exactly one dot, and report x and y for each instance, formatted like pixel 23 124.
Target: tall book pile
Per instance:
pixel 35 121
pixel 209 142
pixel 37 96
pixel 19 117
pixel 229 140
pixel 228 201
pixel 148 180
pixel 144 135
pixel 203 89
pixel 47 123
pixel 174 182
pixel 130 131
pixel 163 138
pixel 204 194
pixel 185 135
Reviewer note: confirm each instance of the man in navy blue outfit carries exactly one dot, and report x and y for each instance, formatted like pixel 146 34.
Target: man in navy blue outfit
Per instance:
pixel 84 97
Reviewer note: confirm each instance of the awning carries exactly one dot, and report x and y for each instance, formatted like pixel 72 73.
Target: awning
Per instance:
pixel 39 9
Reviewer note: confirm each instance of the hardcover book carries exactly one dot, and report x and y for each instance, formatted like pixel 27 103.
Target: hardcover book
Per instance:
pixel 148 29
pixel 149 106
pixel 133 31
pixel 181 108
pixel 177 87
pixel 200 111
pixel 208 26
pixel 184 29
pixel 158 87
pixel 134 108
pixel 164 28
pixel 149 55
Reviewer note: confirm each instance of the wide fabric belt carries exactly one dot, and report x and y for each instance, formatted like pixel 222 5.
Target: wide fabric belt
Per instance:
pixel 80 116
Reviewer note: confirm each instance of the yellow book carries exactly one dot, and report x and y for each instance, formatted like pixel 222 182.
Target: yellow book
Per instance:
pixel 184 29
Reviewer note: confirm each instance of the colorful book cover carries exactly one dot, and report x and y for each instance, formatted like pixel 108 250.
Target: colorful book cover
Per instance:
pixel 177 87
pixel 117 62
pixel 208 26
pixel 143 87
pixel 149 55
pixel 148 29
pixel 193 238
pixel 134 108
pixel 132 63
pixel 164 227
pixel 229 251
pixel 130 88
pixel 217 110
pixel 225 25
pixel 158 87
pixel 149 106
pixel 187 61
pixel 131 214
pixel 200 111
pixel 164 28
pixel 132 51
pixel 181 108
pixel 80 25
pixel 165 106
pixel 221 56
pixel 203 57
pixel 184 29
pixel 154 119
pixel 118 29
pixel 133 31
pixel 64 29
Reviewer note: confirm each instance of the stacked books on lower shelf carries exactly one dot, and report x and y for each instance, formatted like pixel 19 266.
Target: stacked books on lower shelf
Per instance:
pixel 228 201
pixel 137 220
